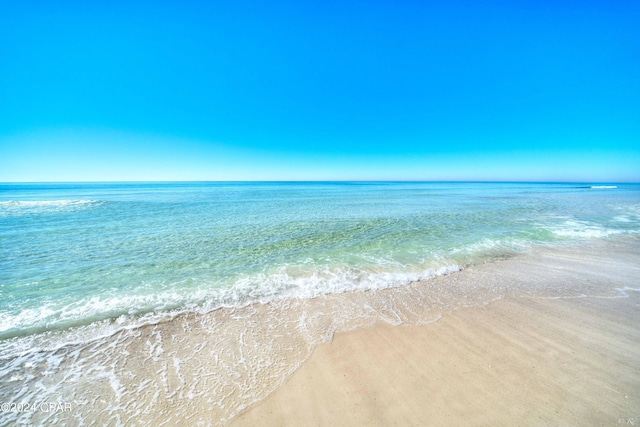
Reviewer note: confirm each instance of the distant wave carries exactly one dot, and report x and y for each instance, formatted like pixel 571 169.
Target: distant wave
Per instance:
pixel 38 203
pixel 19 207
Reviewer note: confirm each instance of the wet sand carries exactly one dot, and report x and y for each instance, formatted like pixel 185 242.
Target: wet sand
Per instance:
pixel 521 360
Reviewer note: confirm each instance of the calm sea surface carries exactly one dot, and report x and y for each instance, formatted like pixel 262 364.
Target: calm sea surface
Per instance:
pixel 74 254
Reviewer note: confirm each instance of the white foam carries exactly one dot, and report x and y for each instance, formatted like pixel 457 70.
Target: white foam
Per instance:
pixel 582 229
pixel 44 202
pixel 623 218
pixel 490 245
pixel 603 186
pixel 624 291
pixel 288 282
pixel 19 207
pixel 93 318
pixel 628 214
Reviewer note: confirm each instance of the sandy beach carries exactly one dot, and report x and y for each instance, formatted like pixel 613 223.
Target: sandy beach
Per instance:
pixel 521 360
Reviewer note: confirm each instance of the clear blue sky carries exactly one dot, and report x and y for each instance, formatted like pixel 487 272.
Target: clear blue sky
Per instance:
pixel 297 90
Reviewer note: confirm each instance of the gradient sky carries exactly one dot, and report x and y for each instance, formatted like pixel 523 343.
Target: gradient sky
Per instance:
pixel 320 90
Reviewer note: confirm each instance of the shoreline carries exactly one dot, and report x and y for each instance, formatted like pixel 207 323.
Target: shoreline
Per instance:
pixel 537 354
pixel 519 360
pixel 220 367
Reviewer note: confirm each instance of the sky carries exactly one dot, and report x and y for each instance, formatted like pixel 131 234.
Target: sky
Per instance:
pixel 320 90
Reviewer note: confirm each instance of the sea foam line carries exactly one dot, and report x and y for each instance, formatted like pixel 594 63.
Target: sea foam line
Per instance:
pixel 22 207
pixel 38 203
pixel 54 327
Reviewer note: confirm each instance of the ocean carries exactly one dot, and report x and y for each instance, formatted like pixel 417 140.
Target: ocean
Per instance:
pixel 111 293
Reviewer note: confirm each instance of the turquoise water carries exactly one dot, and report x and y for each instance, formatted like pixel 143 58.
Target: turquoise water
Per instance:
pixel 127 254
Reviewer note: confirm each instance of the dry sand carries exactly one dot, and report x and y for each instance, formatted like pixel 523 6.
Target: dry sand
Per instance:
pixel 521 360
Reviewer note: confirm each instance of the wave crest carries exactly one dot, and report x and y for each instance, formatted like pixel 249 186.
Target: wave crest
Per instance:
pixel 21 207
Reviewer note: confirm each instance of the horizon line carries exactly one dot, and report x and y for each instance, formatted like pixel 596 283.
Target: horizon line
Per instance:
pixel 322 181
